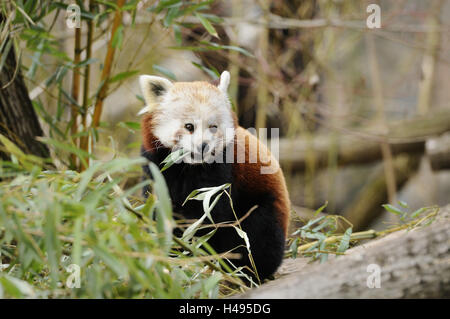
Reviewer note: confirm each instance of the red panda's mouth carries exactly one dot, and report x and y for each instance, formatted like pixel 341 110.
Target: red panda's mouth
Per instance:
pixel 199 158
pixel 195 156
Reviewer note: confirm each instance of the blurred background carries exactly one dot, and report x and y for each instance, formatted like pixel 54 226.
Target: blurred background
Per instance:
pixel 363 113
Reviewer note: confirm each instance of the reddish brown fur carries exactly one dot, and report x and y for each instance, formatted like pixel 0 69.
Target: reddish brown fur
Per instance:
pixel 248 177
pixel 148 139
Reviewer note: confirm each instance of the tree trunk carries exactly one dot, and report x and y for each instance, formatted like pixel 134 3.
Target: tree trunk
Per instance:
pixel 412 264
pixel 18 120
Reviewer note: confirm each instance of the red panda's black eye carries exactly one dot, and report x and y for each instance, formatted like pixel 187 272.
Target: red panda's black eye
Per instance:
pixel 189 127
pixel 213 128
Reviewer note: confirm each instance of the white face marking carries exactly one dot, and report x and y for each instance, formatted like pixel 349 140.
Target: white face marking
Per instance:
pixel 197 119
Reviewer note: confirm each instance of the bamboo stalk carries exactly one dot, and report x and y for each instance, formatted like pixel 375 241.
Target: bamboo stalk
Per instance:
pixel 84 139
pixel 233 90
pixel 368 234
pixel 429 59
pixel 262 91
pixel 75 92
pixel 377 88
pixel 107 68
pixel 371 234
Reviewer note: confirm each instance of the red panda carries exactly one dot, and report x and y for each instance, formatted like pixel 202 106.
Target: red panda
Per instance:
pixel 197 117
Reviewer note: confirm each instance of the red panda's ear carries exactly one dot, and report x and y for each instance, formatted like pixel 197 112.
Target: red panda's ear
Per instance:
pixel 224 81
pixel 153 87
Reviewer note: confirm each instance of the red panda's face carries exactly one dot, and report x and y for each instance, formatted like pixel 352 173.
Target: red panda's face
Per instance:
pixel 193 116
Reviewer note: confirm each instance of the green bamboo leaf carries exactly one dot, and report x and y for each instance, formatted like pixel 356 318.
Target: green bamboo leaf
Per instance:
pixel 52 244
pixel 172 158
pixel 132 126
pixel 310 235
pixel 418 212
pixel 190 231
pixel 321 208
pixel 149 207
pixel 244 236
pixel 293 248
pixel 201 193
pixel 164 71
pixel 164 4
pixel 78 237
pixel 192 48
pixel 171 14
pixel 123 75
pixel 49 119
pixel 118 38
pixel 111 261
pixel 212 72
pixel 208 26
pixel 197 7
pixel 8 45
pixel 309 224
pixel 177 34
pixel 393 209
pixel 323 256
pixel 211 283
pixel 36 60
pixel 345 241
pixel 81 154
pixel 325 223
pixel 204 194
pixel 403 204
pixel 15 287
pixel 164 218
pixel 86 62
pixel 200 241
pixel 217 46
pixel 11 147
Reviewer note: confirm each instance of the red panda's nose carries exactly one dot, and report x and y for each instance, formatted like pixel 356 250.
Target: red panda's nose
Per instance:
pixel 203 148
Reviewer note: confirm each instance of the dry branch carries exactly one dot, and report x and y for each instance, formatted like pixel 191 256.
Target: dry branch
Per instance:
pixel 278 22
pixel 407 136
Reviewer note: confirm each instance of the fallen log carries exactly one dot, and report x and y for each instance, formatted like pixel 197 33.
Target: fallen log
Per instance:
pixel 410 264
